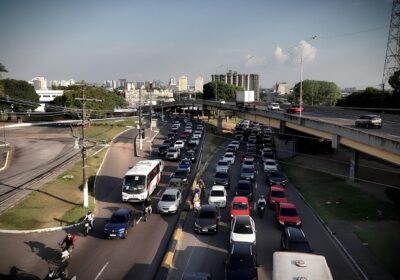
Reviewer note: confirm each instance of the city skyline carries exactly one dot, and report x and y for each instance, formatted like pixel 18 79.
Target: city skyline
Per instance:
pixel 72 39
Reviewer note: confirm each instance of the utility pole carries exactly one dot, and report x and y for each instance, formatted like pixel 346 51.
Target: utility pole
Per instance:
pixel 140 119
pixel 151 108
pixel 84 149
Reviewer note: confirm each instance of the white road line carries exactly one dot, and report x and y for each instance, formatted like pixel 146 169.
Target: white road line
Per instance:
pixel 101 271
pixel 138 221
pixel 256 185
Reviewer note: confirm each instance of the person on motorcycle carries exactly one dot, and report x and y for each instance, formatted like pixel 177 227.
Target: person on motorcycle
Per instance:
pixel 202 187
pixel 89 218
pixel 69 242
pixel 261 202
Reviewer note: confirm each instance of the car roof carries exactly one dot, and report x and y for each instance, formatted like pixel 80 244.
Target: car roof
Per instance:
pixel 228 154
pixel 242 219
pixel 295 234
pixel 287 205
pixel 217 187
pixel 121 212
pixel 242 248
pixel 171 191
pixel 208 208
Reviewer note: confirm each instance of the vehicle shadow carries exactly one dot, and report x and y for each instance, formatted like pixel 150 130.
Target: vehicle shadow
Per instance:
pixel 50 255
pixel 18 274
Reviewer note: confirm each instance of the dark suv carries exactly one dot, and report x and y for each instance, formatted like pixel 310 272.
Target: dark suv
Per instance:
pixel 222 178
pixel 294 240
pixel 245 188
pixel 369 121
pixel 242 261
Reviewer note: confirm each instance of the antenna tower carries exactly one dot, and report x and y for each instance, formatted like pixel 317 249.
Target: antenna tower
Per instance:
pixel 392 60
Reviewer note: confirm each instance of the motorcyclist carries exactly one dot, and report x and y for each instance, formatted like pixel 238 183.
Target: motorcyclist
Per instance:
pixel 69 242
pixel 89 218
pixel 202 187
pixel 196 202
pixel 261 202
pixel 147 207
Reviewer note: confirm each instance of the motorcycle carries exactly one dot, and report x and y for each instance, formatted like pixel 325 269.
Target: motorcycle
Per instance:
pixel 65 254
pixel 88 227
pixel 59 273
pixel 261 209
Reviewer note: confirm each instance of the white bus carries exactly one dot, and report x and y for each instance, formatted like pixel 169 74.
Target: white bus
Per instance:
pixel 293 265
pixel 141 180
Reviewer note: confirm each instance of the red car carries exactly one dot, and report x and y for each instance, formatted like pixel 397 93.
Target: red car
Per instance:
pixel 240 206
pixel 185 135
pixel 246 157
pixel 276 195
pixel 286 215
pixel 294 109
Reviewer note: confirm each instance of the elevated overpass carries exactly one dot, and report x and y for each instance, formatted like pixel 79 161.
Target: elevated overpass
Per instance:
pixel 368 141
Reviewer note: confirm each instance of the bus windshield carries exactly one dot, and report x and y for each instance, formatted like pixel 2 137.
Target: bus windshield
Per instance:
pixel 134 184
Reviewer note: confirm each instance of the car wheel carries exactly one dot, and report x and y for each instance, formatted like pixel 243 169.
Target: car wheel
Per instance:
pixel 125 234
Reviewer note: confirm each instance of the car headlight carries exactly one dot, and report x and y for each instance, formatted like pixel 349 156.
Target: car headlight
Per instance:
pixel 213 227
pixel 172 207
pixel 298 223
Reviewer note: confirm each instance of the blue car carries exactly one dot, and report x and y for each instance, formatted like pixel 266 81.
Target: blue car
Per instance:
pixel 185 164
pixel 119 223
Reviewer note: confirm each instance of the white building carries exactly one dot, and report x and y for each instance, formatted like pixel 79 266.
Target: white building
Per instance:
pixel 198 84
pixel 172 82
pixel 46 96
pixel 39 83
pixel 183 83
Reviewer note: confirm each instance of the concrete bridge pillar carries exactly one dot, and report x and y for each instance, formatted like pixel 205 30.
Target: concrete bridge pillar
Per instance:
pixel 219 124
pixel 282 125
pixel 353 165
pixel 335 141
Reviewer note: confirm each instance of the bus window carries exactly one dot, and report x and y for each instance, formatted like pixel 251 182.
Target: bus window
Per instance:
pixel 134 184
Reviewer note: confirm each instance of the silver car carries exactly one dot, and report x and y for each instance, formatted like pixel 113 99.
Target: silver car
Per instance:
pixel 170 201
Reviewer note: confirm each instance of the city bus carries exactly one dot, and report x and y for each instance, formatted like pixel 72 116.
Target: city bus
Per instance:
pixel 293 265
pixel 141 180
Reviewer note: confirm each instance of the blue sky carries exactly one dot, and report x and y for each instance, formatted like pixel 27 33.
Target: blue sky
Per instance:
pixel 139 40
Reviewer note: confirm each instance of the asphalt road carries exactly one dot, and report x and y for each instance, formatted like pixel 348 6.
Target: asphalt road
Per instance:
pixel 207 253
pixel 36 150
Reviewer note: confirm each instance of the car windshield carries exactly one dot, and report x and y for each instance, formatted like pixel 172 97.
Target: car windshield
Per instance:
pixel 168 197
pixel 239 262
pixel 247 170
pixel 185 162
pixel 134 184
pixel 206 215
pixel 243 186
pixel 279 194
pixel 243 228
pixel 223 163
pixel 276 175
pixel 217 193
pixel 228 155
pixel 248 162
pixel 181 172
pixel 270 163
pixel 117 219
pixel 290 212
pixel 239 206
pixel 221 175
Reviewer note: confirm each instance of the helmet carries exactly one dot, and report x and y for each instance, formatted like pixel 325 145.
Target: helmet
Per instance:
pixel 262 196
pixel 89 212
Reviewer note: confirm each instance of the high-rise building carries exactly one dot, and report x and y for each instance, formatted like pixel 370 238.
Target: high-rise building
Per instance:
pixel 282 88
pixel 39 83
pixel 245 81
pixel 198 84
pixel 172 82
pixel 183 83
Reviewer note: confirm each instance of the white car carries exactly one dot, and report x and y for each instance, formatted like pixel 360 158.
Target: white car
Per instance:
pixel 197 134
pixel 222 166
pixel 230 157
pixel 180 144
pixel 231 147
pixel 189 129
pixel 270 165
pixel 243 229
pixel 248 163
pixel 169 201
pixel 173 153
pixel 236 143
pixel 175 127
pixel 217 196
pixel 273 106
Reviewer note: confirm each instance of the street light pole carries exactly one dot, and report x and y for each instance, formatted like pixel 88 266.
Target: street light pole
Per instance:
pixel 301 82
pixel 140 119
pixel 84 154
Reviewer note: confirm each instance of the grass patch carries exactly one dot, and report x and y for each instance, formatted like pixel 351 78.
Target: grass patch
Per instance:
pixel 385 245
pixel 57 203
pixel 333 198
pixel 104 132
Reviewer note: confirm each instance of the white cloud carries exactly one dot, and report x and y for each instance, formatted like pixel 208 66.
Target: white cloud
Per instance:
pixel 280 55
pixel 309 52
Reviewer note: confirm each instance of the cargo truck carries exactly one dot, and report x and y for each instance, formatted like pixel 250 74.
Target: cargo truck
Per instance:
pixel 245 98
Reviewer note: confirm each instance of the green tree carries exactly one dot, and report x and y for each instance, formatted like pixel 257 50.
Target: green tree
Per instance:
pixel 2 69
pixel 19 94
pixel 372 98
pixel 317 93
pixel 108 101
pixel 225 91
pixel 394 82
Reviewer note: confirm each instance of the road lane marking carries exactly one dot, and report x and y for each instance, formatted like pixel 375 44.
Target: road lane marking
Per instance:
pixel 256 185
pixel 101 271
pixel 138 221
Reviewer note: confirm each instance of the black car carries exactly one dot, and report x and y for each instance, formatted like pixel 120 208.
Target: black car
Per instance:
pixel 168 142
pixel 276 178
pixel 294 240
pixel 190 154
pixel 119 223
pixel 171 135
pixel 242 262
pixel 207 219
pixel 162 150
pixel 245 188
pixel 182 173
pixel 222 178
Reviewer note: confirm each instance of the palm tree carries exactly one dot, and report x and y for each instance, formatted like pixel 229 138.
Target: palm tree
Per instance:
pixel 2 69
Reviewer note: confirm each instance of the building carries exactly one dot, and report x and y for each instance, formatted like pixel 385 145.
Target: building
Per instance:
pixel 183 83
pixel 46 96
pixel 62 83
pixel 172 82
pixel 39 83
pixel 245 81
pixel 282 88
pixel 198 84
